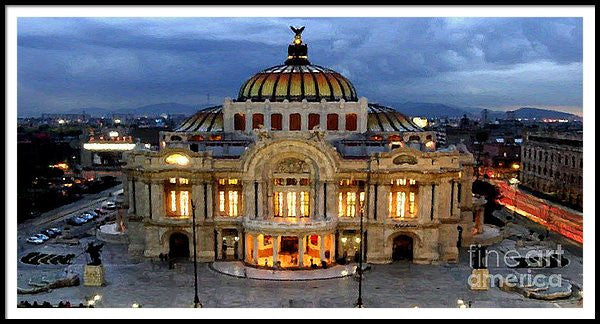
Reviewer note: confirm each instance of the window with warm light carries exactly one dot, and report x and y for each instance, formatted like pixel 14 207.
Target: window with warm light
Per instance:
pixel 402 202
pixel 291 197
pixel 229 197
pixel 178 193
pixel 351 195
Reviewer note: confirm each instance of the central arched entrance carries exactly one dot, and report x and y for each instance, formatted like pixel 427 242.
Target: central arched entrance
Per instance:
pixel 179 245
pixel 402 248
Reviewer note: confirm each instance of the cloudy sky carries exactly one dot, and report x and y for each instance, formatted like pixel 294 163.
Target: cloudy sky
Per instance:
pixel 67 63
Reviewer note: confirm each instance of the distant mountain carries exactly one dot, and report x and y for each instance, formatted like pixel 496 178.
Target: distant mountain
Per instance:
pixel 436 110
pixel 529 113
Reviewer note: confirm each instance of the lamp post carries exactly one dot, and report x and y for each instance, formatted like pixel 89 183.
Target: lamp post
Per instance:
pixel 196 299
pixel 359 303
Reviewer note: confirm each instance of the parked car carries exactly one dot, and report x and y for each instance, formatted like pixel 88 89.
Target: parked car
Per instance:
pixel 110 205
pixel 93 213
pixel 75 220
pixel 100 211
pixel 41 237
pixel 34 240
pixel 87 217
pixel 56 230
pixel 50 233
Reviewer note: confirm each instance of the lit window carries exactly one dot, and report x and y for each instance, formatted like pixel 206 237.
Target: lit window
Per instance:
pixel 184 181
pixel 233 203
pixel 173 180
pixel 304 203
pixel 411 205
pixel 362 198
pixel 183 203
pixel 233 181
pixel 221 201
pixel 400 201
pixel 291 204
pixel 221 181
pixel 340 205
pixel 278 197
pixel 351 204
pixel 173 201
pixel 412 181
pixel 390 205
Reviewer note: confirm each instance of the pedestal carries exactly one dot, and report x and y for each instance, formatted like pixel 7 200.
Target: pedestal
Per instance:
pixel 479 279
pixel 93 275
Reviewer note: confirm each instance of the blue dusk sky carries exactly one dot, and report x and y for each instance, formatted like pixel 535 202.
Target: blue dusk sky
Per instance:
pixel 496 63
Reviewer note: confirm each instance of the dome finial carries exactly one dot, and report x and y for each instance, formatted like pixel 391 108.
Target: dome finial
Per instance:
pixel 298 37
pixel 297 51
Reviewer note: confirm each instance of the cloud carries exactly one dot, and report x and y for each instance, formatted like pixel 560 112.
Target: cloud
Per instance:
pixel 66 63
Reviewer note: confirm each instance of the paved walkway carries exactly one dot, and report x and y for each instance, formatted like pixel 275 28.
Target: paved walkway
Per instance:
pixel 238 269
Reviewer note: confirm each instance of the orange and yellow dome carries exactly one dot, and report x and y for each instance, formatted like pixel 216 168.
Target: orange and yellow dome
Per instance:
pixel 297 80
pixel 296 83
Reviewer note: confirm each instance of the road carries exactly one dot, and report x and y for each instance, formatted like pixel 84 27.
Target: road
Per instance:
pixel 57 218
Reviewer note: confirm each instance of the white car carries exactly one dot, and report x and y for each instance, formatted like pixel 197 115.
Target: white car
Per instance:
pixel 34 240
pixel 109 205
pixel 41 237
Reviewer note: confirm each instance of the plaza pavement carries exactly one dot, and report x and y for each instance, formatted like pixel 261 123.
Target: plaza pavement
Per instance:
pixel 152 284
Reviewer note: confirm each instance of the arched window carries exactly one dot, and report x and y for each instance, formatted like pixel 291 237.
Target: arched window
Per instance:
pixel 332 122
pixel 573 160
pixel 239 122
pixel 351 124
pixel 276 122
pixel 295 122
pixel 176 138
pixel 313 120
pixel 257 120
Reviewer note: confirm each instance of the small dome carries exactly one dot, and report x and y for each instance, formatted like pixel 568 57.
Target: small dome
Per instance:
pixel 297 80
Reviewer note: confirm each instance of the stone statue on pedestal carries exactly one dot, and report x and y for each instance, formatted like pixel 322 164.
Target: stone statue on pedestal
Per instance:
pixel 94 251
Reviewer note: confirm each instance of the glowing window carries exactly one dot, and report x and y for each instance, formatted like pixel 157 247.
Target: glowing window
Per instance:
pixel 173 201
pixel 233 181
pixel 304 203
pixel 221 201
pixel 278 201
pixel 340 204
pixel 291 204
pixel 178 159
pixel 233 203
pixel 183 203
pixel 351 204
pixel 173 180
pixel 184 181
pixel 411 204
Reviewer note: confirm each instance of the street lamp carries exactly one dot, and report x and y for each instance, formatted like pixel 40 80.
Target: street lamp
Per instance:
pixel 359 303
pixel 196 299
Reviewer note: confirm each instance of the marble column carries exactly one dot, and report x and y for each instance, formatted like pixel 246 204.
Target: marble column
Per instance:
pixel 322 247
pixel 255 249
pixel 209 201
pixel 198 198
pixel 158 200
pixel 219 244
pixel 301 248
pixel 275 249
pixel 424 203
pixel 383 197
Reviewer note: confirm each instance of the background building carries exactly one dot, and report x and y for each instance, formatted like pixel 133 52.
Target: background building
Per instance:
pixel 553 165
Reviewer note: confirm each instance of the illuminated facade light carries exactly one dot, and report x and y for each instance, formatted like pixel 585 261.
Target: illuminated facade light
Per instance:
pixel 113 134
pixel 109 146
pixel 344 240
pixel 178 159
pixel 420 121
pixel 430 145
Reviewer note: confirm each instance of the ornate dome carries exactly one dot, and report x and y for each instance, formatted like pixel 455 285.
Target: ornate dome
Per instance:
pixel 297 80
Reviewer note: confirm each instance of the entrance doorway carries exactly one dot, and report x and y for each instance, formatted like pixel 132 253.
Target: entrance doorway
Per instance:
pixel 179 246
pixel 402 248
pixel 288 251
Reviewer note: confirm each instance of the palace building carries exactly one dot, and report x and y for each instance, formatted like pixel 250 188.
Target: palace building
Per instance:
pixel 278 177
